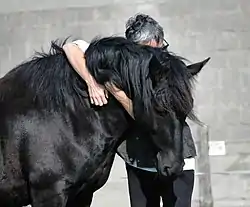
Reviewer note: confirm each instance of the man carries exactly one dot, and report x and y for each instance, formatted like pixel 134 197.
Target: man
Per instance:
pixel 145 186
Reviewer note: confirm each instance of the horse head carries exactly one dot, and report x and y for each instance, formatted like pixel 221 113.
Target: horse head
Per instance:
pixel 172 82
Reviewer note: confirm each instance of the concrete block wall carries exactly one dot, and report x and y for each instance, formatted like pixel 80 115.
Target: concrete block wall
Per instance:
pixel 195 29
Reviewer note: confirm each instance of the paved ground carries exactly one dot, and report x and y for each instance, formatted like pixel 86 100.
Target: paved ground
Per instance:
pixel 115 192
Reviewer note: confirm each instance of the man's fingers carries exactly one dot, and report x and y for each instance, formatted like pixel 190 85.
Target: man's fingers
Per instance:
pixel 91 96
pixel 106 93
pixel 104 100
pixel 99 98
pixel 92 100
pixel 100 101
pixel 96 101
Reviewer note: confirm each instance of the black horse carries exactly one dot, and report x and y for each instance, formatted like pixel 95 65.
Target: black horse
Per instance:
pixel 57 149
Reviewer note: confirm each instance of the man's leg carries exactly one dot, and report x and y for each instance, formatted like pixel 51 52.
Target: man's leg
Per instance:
pixel 167 191
pixel 177 191
pixel 142 188
pixel 183 188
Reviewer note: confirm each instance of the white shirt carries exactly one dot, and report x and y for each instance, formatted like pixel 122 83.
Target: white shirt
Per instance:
pixel 83 45
pixel 189 164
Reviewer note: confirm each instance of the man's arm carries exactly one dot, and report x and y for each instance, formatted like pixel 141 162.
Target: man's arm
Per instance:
pixel 121 97
pixel 75 54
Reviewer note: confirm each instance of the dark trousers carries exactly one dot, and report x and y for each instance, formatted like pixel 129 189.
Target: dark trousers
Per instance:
pixel 146 188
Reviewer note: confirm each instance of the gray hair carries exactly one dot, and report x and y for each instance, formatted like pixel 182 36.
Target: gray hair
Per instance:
pixel 142 29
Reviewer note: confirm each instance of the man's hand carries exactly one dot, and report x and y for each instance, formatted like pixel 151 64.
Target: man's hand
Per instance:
pixel 98 94
pixel 75 54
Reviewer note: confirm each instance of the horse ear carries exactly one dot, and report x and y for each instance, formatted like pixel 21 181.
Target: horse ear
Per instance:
pixel 195 68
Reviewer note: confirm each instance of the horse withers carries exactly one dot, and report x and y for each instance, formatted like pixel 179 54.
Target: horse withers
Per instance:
pixel 56 148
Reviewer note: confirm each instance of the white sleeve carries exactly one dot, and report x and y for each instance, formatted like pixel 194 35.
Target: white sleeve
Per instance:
pixel 83 45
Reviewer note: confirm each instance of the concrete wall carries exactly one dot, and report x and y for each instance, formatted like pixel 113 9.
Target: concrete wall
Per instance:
pixel 195 29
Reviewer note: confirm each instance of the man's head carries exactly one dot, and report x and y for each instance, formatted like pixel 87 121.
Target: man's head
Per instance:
pixel 143 29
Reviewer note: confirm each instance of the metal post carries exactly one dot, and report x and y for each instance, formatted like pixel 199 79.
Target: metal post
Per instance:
pixel 203 167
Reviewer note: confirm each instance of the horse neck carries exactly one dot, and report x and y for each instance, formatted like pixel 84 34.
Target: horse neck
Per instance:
pixel 117 119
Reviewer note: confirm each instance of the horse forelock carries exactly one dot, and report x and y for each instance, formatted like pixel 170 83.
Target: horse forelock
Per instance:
pixel 49 79
pixel 173 84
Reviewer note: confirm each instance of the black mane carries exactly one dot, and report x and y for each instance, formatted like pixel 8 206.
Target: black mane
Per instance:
pixel 124 64
pixel 47 79
pixel 148 75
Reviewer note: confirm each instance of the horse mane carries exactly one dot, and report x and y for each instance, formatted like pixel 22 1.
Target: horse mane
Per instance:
pixel 47 79
pixel 150 76
pixel 125 64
